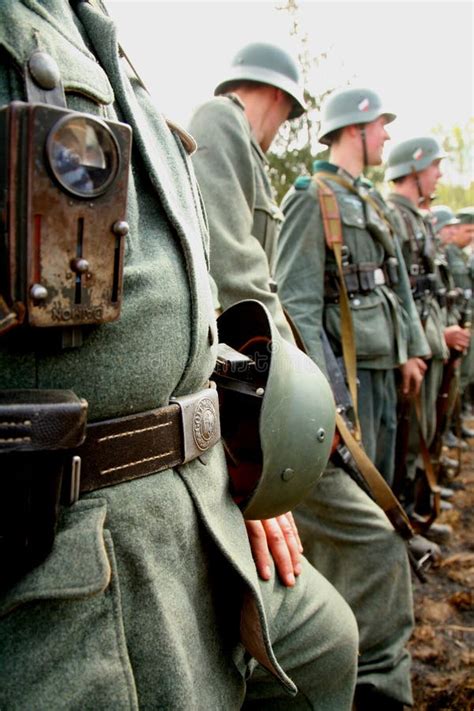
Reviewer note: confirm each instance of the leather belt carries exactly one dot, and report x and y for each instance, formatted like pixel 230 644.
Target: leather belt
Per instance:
pixel 126 448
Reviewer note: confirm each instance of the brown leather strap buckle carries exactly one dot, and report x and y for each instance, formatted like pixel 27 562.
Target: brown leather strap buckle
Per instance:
pixel 130 447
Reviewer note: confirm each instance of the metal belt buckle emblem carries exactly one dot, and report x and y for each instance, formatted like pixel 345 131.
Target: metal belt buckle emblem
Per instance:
pixel 200 421
pixel 204 423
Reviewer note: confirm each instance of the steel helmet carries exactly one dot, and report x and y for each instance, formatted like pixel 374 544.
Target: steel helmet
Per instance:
pixel 267 64
pixel 466 215
pixel 278 420
pixel 442 215
pixel 346 107
pixel 412 156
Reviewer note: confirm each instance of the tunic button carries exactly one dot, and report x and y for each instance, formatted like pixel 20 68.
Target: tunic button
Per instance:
pixel 44 70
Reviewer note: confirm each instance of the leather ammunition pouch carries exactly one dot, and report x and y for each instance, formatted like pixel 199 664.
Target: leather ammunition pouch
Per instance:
pixel 38 430
pixel 422 284
pixel 49 457
pixel 360 278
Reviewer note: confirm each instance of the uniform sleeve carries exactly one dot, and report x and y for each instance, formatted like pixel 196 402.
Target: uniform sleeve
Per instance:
pixel 300 268
pixel 224 168
pixel 417 345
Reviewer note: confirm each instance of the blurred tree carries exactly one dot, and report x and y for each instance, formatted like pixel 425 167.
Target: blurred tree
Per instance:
pixel 295 147
pixel 456 188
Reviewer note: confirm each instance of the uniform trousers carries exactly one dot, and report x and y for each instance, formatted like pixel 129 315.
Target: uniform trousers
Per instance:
pixel 377 400
pixel 351 542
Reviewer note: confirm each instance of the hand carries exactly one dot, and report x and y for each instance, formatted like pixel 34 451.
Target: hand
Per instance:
pixel 413 372
pixel 457 337
pixel 276 538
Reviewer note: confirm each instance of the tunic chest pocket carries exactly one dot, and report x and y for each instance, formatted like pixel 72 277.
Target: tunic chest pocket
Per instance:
pixel 352 212
pixel 85 82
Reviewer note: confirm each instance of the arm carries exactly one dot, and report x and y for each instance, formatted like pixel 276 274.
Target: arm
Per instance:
pixel 225 171
pixel 417 344
pixel 300 267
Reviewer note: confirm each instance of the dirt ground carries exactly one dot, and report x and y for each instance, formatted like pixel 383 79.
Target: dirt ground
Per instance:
pixel 442 645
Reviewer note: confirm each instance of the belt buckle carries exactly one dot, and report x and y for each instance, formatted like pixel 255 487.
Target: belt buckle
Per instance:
pixel 200 421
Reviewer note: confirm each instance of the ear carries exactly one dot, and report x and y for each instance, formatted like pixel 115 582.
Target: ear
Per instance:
pixel 353 130
pixel 277 94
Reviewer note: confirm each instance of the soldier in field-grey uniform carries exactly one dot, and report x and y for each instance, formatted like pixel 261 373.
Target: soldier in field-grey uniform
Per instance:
pixel 136 589
pixel 345 535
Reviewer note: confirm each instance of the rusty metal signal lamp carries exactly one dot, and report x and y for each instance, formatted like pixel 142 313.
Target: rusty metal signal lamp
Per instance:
pixel 63 195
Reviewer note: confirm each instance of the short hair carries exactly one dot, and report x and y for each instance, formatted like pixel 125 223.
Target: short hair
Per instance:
pixel 241 84
pixel 333 136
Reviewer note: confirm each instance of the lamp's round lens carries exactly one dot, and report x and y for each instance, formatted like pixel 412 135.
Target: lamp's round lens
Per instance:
pixel 83 155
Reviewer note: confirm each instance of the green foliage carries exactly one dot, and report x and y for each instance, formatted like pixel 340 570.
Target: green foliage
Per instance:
pixel 294 149
pixel 296 145
pixel 456 189
pixel 455 196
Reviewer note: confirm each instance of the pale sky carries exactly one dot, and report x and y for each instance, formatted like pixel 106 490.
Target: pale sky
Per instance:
pixel 417 55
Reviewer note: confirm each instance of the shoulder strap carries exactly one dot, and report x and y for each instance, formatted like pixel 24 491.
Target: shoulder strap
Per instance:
pixel 363 196
pixel 334 239
pixel 383 494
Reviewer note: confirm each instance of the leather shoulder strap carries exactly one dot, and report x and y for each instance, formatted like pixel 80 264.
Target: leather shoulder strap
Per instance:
pixel 334 239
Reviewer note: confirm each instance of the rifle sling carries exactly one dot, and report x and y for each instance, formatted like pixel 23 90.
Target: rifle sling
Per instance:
pixel 377 484
pixel 430 475
pixel 334 240
pixel 364 197
pixel 381 492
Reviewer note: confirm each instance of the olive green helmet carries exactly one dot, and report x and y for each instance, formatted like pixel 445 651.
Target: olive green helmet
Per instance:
pixel 277 419
pixel 442 216
pixel 266 64
pixel 412 156
pixel 466 215
pixel 346 107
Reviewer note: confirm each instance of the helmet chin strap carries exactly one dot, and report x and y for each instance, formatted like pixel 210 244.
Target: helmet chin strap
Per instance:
pixel 421 197
pixel 364 147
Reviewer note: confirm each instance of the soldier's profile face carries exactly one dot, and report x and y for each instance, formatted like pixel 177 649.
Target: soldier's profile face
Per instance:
pixel 376 135
pixel 446 233
pixel 464 235
pixel 429 177
pixel 280 113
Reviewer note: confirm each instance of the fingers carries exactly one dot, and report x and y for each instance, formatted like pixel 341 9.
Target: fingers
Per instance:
pixel 276 539
pixel 413 372
pixel 405 381
pixel 422 364
pixel 284 547
pixel 259 547
pixel 295 530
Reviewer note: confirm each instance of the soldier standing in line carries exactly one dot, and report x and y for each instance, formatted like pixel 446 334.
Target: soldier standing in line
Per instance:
pixel 460 263
pixel 444 224
pixel 126 576
pixel 348 536
pixel 466 218
pixel 387 332
pixel 414 168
